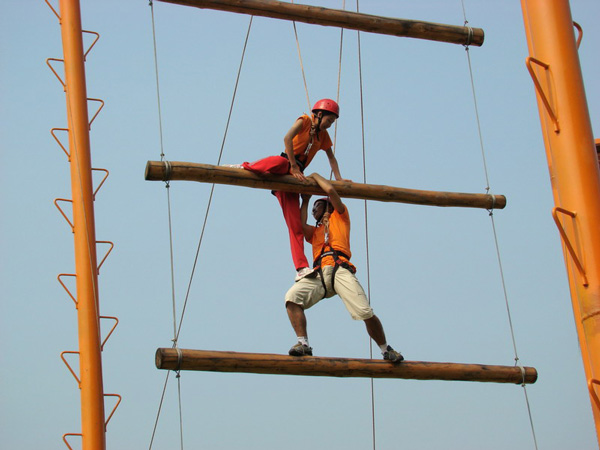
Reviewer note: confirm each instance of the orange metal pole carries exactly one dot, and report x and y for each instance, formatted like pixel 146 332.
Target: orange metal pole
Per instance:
pixel 573 165
pixel 90 361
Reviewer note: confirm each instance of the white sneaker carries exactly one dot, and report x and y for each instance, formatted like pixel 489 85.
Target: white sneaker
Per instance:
pixel 305 271
pixel 234 166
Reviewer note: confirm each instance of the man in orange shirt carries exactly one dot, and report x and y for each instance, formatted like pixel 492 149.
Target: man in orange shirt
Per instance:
pixel 304 139
pixel 330 241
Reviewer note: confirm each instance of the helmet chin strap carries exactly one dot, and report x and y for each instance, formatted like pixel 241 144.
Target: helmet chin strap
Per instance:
pixel 317 127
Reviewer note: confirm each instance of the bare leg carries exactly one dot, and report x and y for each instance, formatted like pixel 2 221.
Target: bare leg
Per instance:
pixel 375 330
pixel 297 318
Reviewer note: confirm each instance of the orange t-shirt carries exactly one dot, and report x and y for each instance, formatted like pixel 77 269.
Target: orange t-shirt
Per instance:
pixel 339 238
pixel 302 139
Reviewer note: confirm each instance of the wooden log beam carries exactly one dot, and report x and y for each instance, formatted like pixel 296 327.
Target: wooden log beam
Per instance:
pixel 217 361
pixel 206 173
pixel 344 19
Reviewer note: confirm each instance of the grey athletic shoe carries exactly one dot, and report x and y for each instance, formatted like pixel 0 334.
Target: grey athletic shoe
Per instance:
pixel 300 350
pixel 392 355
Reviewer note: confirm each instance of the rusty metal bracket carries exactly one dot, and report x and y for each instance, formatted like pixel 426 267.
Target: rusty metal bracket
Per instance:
pixel 107 253
pixel 92 44
pixel 111 330
pixel 567 242
pixel 63 213
pixel 579 35
pixel 593 393
pixel 114 409
pixel 70 434
pixel 101 183
pixel 65 287
pixel 58 140
pixel 62 356
pixel 98 111
pixel 540 90
pixel 64 85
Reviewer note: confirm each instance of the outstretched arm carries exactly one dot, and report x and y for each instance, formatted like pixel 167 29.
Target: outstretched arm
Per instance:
pixel 330 191
pixel 306 228
pixel 335 168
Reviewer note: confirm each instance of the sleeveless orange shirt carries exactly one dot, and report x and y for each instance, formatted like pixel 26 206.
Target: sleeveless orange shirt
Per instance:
pixel 339 237
pixel 302 139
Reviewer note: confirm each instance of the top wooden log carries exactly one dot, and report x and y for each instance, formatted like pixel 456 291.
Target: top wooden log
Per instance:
pixel 206 173
pixel 344 19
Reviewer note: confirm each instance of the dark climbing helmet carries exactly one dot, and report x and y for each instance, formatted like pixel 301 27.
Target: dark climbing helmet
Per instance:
pixel 314 208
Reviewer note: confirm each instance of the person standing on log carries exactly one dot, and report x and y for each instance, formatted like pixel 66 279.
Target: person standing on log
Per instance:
pixel 304 139
pixel 330 240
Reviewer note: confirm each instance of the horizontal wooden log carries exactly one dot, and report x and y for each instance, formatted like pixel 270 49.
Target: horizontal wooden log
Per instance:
pixel 344 19
pixel 217 361
pixel 206 173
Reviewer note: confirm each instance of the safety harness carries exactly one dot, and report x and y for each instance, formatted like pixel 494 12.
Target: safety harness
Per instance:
pixel 338 262
pixel 301 164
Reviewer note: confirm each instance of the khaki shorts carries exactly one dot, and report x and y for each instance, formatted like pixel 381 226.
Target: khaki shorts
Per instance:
pixel 309 291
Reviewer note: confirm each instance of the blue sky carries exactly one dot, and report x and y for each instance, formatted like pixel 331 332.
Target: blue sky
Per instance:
pixel 433 273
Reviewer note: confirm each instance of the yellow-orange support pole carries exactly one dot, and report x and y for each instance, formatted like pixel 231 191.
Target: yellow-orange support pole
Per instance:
pixel 90 361
pixel 573 164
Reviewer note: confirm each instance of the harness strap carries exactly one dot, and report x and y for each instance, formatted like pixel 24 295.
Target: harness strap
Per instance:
pixel 301 164
pixel 338 263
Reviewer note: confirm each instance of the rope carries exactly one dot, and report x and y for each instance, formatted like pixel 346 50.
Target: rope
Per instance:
pixel 160 130
pixel 301 63
pixel 495 236
pixel 212 189
pixel 159 409
pixel 170 231
pixel 364 168
pixel 339 82
pixel 368 262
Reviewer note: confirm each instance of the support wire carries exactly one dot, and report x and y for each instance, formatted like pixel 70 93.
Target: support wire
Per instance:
pixel 491 214
pixel 171 252
pixel 301 63
pixel 213 185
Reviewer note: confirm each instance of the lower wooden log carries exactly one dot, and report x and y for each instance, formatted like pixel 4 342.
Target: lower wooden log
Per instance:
pixel 264 363
pixel 206 173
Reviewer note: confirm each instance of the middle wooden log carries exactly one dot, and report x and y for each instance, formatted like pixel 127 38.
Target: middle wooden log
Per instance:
pixel 206 173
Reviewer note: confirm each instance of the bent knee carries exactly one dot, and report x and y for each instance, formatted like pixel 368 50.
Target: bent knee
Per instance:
pixel 365 314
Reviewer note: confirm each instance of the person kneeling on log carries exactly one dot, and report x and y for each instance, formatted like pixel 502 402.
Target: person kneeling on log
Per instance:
pixel 303 140
pixel 330 240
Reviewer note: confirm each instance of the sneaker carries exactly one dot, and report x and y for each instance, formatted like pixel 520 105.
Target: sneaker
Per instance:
pixel 234 166
pixel 305 272
pixel 392 355
pixel 300 350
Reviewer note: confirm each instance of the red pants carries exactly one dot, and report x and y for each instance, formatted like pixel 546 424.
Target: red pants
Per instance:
pixel 290 205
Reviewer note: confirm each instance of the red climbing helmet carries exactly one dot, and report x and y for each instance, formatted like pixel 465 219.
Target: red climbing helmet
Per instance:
pixel 326 104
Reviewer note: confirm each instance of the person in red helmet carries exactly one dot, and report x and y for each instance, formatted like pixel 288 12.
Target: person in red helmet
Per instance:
pixel 304 139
